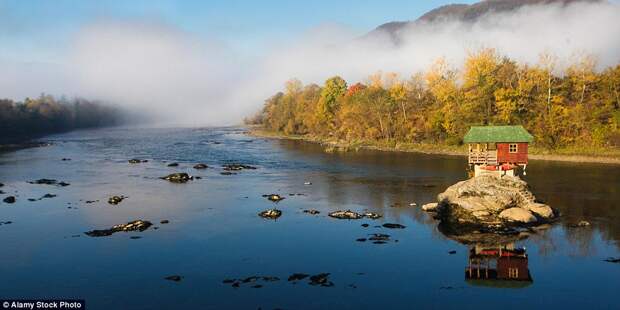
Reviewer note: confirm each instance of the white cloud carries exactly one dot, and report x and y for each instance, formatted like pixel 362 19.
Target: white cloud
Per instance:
pixel 186 79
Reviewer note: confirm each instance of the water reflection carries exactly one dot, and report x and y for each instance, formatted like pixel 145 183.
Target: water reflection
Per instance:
pixel 502 265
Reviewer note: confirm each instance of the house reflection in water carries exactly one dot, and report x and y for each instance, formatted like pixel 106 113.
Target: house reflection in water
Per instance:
pixel 498 266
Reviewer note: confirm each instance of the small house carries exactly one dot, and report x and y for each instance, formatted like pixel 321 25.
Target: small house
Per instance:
pixel 498 149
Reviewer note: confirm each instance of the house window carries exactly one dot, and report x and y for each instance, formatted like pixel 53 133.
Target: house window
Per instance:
pixel 513 273
pixel 512 148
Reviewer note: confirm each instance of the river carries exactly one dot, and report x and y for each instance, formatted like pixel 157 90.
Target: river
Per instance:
pixel 214 233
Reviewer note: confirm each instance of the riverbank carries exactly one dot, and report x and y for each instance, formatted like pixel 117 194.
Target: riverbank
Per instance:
pixel 566 155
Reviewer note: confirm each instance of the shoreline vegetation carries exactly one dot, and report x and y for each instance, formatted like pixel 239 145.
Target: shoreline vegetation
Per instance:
pixel 573 110
pixel 330 145
pixel 21 122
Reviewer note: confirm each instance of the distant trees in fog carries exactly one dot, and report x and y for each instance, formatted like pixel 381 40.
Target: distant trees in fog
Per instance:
pixel 578 107
pixel 46 114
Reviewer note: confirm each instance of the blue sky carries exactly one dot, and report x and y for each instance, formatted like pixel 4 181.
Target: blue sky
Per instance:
pixel 36 31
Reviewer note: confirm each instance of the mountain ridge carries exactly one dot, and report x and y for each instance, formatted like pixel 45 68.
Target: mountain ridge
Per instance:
pixel 468 13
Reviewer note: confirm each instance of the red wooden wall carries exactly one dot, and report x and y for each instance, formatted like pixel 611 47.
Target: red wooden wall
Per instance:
pixel 520 263
pixel 504 156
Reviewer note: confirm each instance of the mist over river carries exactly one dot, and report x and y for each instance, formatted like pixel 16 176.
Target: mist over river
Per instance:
pixel 216 242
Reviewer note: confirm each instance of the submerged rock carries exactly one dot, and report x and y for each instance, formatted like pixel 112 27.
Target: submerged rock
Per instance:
pixel 137 161
pixel 312 211
pixel 175 278
pixel 181 177
pixel 346 215
pixel 49 182
pixel 10 199
pixel 321 279
pixel 613 260
pixel 173 164
pixel 490 202
pixel 270 214
pixel 201 166
pixel 114 200
pixel 138 225
pixel 1 184
pixel 394 226
pixel 297 276
pixel 379 237
pixel 237 167
pixel 251 280
pixel 227 173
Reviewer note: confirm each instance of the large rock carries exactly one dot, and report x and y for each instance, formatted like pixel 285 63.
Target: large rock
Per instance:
pixel 540 210
pixel 490 202
pixel 518 215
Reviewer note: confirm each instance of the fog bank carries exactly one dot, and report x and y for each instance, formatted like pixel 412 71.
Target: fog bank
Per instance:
pixel 184 79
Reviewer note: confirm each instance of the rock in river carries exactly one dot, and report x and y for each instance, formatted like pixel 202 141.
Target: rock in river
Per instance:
pixel 137 161
pixel 346 215
pixel 297 276
pixel 271 214
pixel 138 225
pixel 10 199
pixel 489 202
pixel 372 215
pixel 114 200
pixel 321 279
pixel 393 226
pixel 175 278
pixel 274 197
pixel 49 182
pixel 173 164
pixel 237 167
pixel 201 166
pixel 181 177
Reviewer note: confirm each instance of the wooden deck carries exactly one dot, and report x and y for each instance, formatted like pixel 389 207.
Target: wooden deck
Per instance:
pixel 483 157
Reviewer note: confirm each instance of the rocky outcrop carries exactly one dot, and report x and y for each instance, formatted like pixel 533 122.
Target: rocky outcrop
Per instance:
pixel 489 202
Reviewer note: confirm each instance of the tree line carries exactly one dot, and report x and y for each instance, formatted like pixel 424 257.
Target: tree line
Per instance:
pixel 573 107
pixel 46 114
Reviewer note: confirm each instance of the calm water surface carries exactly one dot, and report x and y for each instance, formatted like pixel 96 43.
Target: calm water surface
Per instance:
pixel 215 234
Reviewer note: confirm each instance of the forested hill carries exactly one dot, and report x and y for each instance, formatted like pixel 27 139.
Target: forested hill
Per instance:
pixel 578 108
pixel 468 13
pixel 20 121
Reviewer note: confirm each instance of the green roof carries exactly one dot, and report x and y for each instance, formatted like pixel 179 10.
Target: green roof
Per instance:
pixel 484 134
